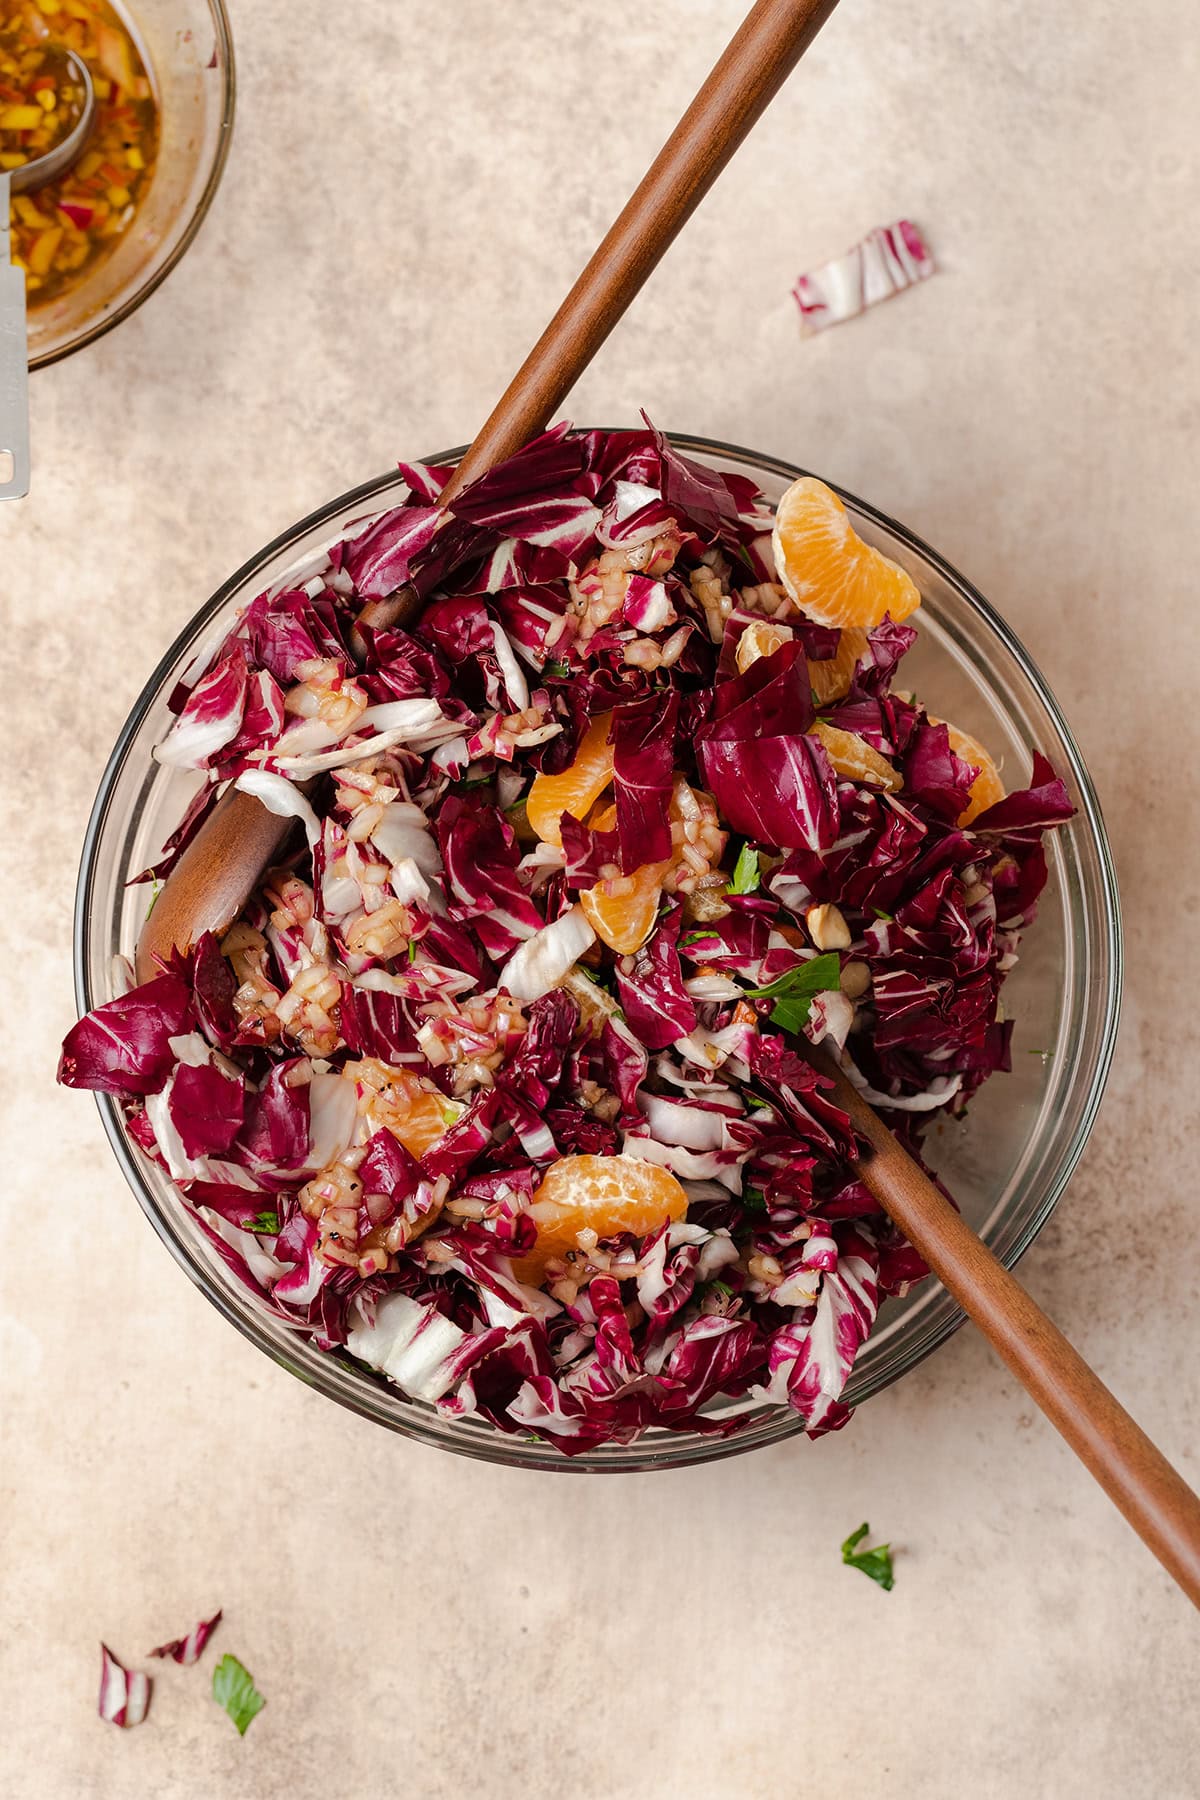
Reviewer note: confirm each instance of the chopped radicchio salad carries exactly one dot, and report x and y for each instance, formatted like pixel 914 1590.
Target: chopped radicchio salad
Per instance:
pixel 496 1083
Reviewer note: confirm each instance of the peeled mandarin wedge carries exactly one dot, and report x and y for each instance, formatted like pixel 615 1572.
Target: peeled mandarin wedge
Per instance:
pixel 830 680
pixel 423 1124
pixel 824 565
pixel 411 1108
pixel 987 787
pixel 577 789
pixel 604 1194
pixel 762 638
pixel 622 911
pixel 853 757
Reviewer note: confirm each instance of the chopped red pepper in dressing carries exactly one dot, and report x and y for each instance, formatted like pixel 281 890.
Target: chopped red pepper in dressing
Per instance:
pixel 61 231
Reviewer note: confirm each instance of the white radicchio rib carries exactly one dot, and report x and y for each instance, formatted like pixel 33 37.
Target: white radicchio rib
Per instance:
pixel 885 262
pixel 124 1693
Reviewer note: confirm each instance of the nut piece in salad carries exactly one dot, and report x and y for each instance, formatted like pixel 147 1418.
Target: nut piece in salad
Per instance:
pixel 497 1084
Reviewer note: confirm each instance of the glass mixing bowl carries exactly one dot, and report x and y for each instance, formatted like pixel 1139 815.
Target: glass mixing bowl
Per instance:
pixel 187 48
pixel 1007 1165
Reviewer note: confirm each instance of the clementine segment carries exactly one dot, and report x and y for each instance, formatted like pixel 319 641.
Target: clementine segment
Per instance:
pixel 622 911
pixel 578 787
pixel 827 569
pixel 830 680
pixel 853 757
pixel 604 1194
pixel 987 787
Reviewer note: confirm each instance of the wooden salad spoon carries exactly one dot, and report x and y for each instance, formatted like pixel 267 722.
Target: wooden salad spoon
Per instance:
pixel 218 871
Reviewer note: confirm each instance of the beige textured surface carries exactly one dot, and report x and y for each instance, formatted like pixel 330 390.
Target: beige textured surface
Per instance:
pixel 403 206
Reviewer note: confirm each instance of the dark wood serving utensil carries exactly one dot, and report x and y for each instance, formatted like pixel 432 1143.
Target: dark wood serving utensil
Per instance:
pixel 1134 1473
pixel 216 874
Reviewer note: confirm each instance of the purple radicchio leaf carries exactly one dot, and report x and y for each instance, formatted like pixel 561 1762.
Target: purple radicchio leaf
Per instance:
pixel 124 1047
pixel 656 1004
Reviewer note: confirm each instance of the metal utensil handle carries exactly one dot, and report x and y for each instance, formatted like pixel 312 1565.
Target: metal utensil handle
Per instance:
pixel 14 367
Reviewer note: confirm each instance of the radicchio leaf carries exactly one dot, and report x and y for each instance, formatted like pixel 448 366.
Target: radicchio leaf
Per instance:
pixel 124 1047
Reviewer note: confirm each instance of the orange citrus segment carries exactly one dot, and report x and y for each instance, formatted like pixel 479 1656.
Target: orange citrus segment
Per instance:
pixel 604 1194
pixel 762 638
pixel 622 912
pixel 578 787
pixel 853 757
pixel 409 1106
pixel 827 569
pixel 987 787
pixel 830 680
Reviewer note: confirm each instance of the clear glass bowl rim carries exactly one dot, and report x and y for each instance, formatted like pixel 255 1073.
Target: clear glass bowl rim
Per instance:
pixel 97 327
pixel 496 1447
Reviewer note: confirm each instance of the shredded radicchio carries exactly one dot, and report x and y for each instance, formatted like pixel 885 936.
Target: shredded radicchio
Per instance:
pixel 442 991
pixel 124 1693
pixel 188 1650
pixel 885 262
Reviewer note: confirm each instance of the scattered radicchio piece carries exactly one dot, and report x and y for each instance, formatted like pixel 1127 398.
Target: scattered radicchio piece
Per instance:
pixel 188 1650
pixel 885 262
pixel 213 988
pixel 535 496
pixel 711 501
pixel 276 1129
pixel 206 1108
pixel 643 738
pixel 124 1693
pixel 771 781
pixel 934 775
pixel 1043 803
pixel 124 1047
pixel 211 718
pixel 483 865
pixel 657 1006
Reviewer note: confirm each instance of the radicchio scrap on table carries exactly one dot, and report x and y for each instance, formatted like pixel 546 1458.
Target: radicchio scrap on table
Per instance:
pixel 124 1693
pixel 188 1650
pixel 885 262
pixel 419 938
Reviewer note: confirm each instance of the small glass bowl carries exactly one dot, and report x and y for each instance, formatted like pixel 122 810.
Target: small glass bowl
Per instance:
pixel 1007 1166
pixel 188 50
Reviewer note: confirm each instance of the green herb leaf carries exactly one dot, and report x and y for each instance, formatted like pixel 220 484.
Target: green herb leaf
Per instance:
pixel 754 1200
pixel 557 671
pixel 266 1224
pixel 875 1563
pixel 155 891
pixel 793 992
pixel 233 1688
pixel 888 918
pixel 745 874
pixel 412 950
pixel 690 938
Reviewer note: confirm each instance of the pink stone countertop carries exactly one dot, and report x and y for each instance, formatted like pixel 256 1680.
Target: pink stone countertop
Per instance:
pixel 411 188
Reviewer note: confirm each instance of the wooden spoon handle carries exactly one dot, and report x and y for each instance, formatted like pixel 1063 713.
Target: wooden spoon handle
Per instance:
pixel 240 837
pixel 745 79
pixel 1133 1472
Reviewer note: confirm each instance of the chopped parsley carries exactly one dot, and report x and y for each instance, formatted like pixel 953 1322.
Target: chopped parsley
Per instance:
pixel 557 670
pixel 745 874
pixel 233 1688
pixel 876 1563
pixel 266 1224
pixel 794 991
